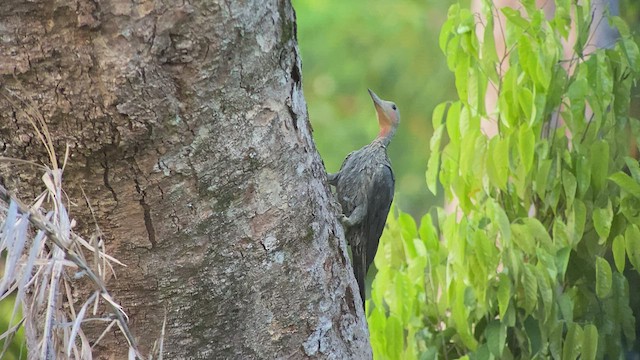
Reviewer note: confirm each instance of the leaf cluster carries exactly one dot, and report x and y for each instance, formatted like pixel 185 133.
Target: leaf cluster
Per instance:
pixel 534 261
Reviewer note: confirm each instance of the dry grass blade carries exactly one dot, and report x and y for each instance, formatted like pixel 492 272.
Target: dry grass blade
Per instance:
pixel 77 322
pixel 7 336
pixel 164 326
pixel 104 332
pixel 85 352
pixel 52 307
pixel 13 329
pixel 95 241
pixel 100 252
pixel 63 245
pixel 10 233
pixel 39 124
pixel 158 345
pixel 132 348
pixel 42 281
pixel 21 162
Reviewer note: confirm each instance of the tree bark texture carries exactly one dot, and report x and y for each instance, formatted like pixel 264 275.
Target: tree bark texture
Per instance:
pixel 189 134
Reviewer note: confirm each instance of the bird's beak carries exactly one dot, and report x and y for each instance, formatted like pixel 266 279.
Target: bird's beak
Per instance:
pixel 376 100
pixel 383 117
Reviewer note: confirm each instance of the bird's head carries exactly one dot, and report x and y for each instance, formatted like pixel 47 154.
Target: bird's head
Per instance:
pixel 388 115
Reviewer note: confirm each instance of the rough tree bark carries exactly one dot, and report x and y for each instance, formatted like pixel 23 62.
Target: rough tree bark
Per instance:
pixel 189 135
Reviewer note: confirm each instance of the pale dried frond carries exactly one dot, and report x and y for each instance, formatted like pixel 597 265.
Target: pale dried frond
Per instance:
pixel 45 272
pixel 44 255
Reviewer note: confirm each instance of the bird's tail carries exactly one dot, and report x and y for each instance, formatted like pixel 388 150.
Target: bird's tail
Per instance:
pixel 360 270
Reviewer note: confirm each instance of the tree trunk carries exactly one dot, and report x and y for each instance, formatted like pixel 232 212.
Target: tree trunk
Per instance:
pixel 189 135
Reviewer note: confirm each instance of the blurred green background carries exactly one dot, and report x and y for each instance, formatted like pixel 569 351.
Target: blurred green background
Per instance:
pixel 392 48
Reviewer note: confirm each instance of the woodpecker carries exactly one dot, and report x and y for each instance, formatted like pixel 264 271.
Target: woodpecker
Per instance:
pixel 364 187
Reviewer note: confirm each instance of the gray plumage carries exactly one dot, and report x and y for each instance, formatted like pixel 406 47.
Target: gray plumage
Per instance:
pixel 365 187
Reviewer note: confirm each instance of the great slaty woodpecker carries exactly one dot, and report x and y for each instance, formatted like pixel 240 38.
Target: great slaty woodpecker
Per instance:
pixel 365 186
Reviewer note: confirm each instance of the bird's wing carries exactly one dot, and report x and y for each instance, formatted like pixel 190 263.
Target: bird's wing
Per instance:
pixel 346 159
pixel 346 182
pixel 379 202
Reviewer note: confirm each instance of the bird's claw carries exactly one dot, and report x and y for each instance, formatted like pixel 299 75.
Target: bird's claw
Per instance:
pixel 344 220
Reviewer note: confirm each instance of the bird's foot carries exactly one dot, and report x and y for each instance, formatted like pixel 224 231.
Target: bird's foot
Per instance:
pixel 333 179
pixel 344 220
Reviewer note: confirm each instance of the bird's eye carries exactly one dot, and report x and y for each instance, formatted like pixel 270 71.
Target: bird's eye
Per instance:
pixel 394 107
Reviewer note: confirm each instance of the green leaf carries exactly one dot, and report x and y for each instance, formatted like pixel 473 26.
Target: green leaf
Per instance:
pixel 569 183
pixel 576 221
pixel 530 284
pixel 446 30
pixel 409 231
pixel 449 167
pixel 624 312
pixel 562 21
pixel 562 260
pixel 621 25
pixel 525 98
pixel 453 51
pixel 582 31
pixel 589 342
pixel 634 169
pixel 496 337
pixel 532 330
pixel 602 218
pixel 618 252
pixel 547 261
pixel 438 118
pixel 377 324
pixel 428 233
pixel 573 342
pixel 631 52
pixel 506 102
pixel 603 277
pixel 632 244
pixel 626 183
pixel 542 176
pixel 523 238
pixel 394 335
pixel 546 292
pixel 462 77
pixel 539 233
pixel 460 316
pixel 578 90
pixel 599 164
pixel 453 122
pixel 555 339
pixel 530 6
pixel 489 53
pixel 434 160
pixel 514 17
pixel 504 294
pixel 486 250
pixel 498 216
pixel 498 162
pixel 560 233
pixel 467 153
pixel 583 174
pixel 466 22
pixel 526 146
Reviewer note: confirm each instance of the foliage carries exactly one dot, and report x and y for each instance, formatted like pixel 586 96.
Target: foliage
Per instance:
pixel 42 256
pixel 535 262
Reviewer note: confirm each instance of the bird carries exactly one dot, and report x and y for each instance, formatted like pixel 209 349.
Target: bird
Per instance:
pixel 365 187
